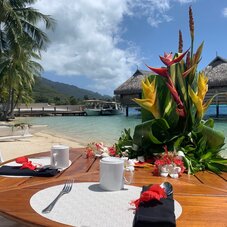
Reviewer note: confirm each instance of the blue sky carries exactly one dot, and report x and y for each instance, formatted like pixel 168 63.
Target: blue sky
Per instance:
pixel 97 45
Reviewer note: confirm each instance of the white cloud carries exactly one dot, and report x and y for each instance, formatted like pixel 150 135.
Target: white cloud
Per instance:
pixel 87 37
pixel 185 1
pixel 224 12
pixel 85 41
pixel 153 10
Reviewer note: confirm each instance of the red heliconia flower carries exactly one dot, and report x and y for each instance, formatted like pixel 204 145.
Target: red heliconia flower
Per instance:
pixel 160 71
pixel 168 58
pixel 180 106
pixel 181 112
pixel 174 93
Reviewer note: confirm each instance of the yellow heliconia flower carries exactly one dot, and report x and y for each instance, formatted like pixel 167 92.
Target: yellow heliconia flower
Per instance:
pixel 149 102
pixel 198 97
pixel 202 85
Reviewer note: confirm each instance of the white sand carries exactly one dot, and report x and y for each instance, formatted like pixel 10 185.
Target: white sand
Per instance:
pixel 39 142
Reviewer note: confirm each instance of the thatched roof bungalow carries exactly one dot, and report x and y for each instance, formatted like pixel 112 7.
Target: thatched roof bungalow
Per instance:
pixel 217 75
pixel 216 72
pixel 131 88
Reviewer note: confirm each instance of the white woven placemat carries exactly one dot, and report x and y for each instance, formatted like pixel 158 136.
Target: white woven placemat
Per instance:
pixel 88 205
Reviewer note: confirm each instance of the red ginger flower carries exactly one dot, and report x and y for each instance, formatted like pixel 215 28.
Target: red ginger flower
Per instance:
pixel 168 59
pixel 21 160
pixel 155 192
pixel 180 106
pixel 168 159
pixel 28 165
pixel 25 163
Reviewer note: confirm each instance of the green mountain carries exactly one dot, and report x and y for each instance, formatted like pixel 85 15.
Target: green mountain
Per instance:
pixel 49 91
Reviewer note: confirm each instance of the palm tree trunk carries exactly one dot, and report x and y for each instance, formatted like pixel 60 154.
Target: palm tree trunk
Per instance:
pixel 11 104
pixel 6 106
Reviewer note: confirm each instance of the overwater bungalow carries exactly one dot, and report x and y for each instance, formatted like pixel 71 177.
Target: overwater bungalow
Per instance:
pixel 131 88
pixel 216 72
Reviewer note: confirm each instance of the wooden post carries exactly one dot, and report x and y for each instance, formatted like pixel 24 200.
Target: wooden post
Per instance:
pixel 126 111
pixel 19 111
pixel 217 109
pixel 217 105
pixel 55 111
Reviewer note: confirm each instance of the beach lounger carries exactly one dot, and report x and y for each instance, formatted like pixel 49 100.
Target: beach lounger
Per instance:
pixel 10 138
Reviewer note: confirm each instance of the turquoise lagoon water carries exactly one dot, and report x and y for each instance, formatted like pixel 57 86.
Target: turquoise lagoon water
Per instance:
pixel 85 129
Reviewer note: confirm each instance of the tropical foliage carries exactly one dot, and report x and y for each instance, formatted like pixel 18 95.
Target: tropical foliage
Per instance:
pixel 21 41
pixel 172 112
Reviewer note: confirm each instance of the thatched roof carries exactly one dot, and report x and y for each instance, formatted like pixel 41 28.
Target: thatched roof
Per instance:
pixel 133 84
pixel 217 72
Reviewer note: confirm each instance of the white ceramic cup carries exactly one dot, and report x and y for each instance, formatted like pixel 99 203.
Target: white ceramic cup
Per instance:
pixel 59 156
pixel 112 174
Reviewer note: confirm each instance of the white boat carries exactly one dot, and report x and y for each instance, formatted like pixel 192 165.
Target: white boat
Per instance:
pixel 111 108
pixel 93 107
pixel 100 107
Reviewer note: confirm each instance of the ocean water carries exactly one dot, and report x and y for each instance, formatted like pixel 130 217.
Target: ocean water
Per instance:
pixel 86 129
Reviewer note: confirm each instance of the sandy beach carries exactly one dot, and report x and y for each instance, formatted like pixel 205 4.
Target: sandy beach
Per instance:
pixel 39 142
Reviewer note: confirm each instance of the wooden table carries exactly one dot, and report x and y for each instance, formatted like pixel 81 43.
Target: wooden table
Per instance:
pixel 203 196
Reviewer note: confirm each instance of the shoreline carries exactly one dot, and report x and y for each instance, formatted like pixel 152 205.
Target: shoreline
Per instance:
pixel 39 142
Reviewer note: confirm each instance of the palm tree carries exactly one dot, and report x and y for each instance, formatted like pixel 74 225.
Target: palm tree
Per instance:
pixel 21 41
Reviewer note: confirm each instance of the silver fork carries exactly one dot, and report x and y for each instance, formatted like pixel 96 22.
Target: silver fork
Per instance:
pixel 66 189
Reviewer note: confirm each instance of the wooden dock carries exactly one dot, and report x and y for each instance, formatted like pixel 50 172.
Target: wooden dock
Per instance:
pixel 47 111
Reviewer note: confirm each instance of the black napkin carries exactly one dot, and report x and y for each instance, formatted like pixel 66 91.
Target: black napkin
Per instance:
pixel 155 213
pixel 16 171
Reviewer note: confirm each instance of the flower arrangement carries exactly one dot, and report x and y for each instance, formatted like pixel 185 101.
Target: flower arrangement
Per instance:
pixel 170 164
pixel 172 108
pixel 99 149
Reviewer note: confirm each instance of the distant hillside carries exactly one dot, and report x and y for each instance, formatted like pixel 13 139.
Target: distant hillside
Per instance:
pixel 54 92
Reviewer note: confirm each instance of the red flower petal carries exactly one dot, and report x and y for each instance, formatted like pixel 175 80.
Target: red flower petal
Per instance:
pixel 155 192
pixel 28 165
pixel 160 71
pixel 21 160
pixel 168 62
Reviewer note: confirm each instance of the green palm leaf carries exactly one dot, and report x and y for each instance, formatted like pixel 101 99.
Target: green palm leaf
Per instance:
pixel 215 139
